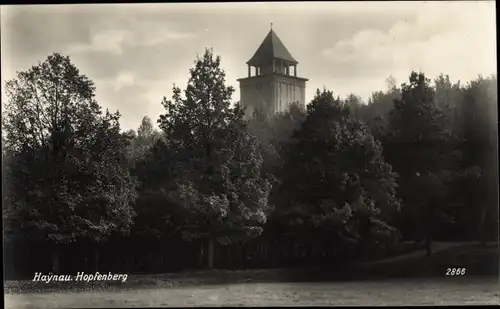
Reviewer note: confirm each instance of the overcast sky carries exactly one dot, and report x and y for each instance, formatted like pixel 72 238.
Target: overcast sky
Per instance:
pixel 135 52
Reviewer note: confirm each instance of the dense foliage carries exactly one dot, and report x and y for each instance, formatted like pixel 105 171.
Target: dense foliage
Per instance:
pixel 66 173
pixel 416 162
pixel 346 188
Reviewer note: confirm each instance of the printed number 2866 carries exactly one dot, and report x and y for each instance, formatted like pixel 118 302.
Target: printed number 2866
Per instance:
pixel 455 271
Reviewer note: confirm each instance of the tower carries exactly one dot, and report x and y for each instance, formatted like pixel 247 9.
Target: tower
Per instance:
pixel 272 88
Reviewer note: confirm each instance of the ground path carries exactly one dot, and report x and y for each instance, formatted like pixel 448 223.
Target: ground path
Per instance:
pixel 438 290
pixel 436 247
pixel 388 292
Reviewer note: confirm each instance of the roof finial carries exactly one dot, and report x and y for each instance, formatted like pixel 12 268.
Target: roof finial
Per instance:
pixel 271 25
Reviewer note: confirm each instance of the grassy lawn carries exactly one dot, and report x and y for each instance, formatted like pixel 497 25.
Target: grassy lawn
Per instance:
pixel 414 281
pixel 394 292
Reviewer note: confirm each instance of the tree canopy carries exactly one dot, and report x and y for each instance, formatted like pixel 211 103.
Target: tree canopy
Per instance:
pixel 332 182
pixel 66 175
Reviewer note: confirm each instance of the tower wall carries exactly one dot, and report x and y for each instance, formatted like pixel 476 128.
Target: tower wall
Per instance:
pixel 257 94
pixel 271 93
pixel 288 90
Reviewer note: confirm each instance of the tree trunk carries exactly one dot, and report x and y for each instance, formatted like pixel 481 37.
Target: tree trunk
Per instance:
pixel 201 255
pixel 428 236
pixel 25 263
pixel 364 235
pixel 55 260
pixel 428 245
pixel 96 258
pixel 211 252
pixel 482 226
pixel 266 253
pixel 130 263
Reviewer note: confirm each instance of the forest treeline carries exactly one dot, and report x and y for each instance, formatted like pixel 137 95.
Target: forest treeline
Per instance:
pixel 330 183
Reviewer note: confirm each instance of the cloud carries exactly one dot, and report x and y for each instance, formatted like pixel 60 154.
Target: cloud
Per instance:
pixel 124 79
pixel 456 38
pixel 153 32
pixel 138 34
pixel 108 41
pixel 135 52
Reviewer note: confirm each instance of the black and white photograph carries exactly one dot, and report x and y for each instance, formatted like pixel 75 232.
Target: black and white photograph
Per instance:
pixel 189 154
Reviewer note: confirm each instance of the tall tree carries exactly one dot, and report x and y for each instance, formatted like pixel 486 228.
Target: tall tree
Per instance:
pixel 479 134
pixel 391 84
pixel 220 189
pixel 355 104
pixel 380 104
pixel 66 176
pixel 337 182
pixel 274 134
pixel 419 149
pixel 449 99
pixel 146 129
pixel 156 212
pixel 142 141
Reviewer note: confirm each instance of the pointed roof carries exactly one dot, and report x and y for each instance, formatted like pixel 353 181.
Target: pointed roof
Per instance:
pixel 270 49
